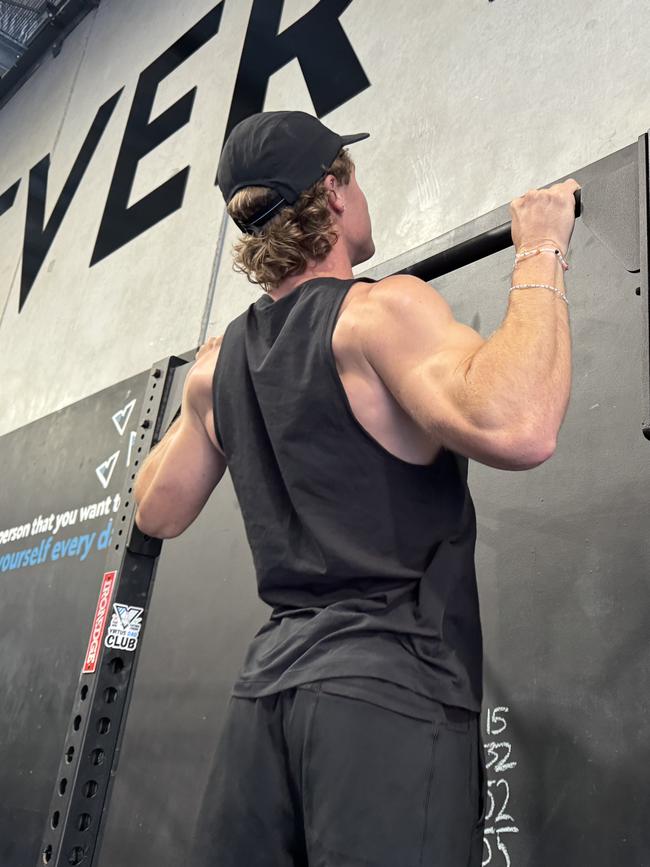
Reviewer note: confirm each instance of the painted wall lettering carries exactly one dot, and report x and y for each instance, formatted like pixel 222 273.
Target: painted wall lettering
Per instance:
pixel 120 224
pixel 331 68
pixel 333 75
pixel 8 197
pixel 39 237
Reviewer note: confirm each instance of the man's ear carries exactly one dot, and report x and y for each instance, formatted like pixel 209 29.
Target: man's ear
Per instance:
pixel 334 197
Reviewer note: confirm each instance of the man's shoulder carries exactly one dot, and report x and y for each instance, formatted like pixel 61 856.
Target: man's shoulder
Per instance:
pixel 390 295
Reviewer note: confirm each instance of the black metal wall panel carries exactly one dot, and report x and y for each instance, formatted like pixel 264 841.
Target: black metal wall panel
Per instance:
pixel 50 468
pixel 563 560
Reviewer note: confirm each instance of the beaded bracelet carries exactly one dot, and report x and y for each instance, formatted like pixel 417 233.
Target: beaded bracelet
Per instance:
pixel 541 286
pixel 556 252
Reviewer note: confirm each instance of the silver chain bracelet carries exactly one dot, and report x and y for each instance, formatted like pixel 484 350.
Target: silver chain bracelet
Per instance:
pixel 541 286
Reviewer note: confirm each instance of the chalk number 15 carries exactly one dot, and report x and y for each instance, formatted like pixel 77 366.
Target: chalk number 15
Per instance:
pixel 495 721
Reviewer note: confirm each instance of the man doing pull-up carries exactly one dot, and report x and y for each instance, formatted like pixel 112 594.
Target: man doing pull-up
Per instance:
pixel 346 410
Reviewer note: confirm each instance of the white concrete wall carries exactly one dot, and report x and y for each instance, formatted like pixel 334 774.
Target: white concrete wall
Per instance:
pixel 470 104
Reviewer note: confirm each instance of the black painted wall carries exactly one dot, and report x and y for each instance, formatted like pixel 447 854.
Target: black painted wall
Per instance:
pixel 51 467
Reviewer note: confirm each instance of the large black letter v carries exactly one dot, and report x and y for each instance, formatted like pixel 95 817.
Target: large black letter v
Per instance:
pixel 39 237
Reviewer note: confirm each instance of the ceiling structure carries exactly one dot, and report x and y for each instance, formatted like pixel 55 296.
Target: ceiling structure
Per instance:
pixel 20 20
pixel 30 28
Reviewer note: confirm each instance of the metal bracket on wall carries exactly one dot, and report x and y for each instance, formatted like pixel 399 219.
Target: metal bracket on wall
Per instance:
pixel 644 251
pixel 609 208
pixel 471 250
pixel 93 739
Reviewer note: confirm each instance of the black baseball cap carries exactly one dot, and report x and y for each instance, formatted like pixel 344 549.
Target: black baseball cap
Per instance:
pixel 287 151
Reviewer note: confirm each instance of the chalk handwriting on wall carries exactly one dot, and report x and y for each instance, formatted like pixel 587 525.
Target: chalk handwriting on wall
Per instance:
pixel 333 75
pixel 498 822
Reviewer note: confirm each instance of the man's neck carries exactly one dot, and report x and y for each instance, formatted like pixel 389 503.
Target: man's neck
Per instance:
pixel 337 265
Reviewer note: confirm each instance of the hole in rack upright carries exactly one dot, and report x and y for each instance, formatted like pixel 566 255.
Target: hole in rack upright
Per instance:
pixel 83 822
pixel 97 757
pixel 116 664
pixel 90 788
pixel 77 855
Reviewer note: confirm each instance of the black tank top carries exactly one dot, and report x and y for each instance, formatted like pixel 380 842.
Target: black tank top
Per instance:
pixel 366 560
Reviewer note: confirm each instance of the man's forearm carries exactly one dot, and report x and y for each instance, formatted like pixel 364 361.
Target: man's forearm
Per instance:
pixel 148 470
pixel 524 369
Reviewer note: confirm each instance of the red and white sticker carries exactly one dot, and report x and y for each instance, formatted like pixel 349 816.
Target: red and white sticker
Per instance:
pixel 99 622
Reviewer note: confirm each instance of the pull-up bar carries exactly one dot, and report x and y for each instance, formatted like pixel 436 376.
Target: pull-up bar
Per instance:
pixel 492 241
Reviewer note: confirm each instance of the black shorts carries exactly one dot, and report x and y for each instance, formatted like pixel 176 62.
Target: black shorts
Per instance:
pixel 311 778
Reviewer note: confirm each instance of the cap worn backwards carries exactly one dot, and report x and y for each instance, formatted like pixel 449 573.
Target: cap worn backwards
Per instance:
pixel 287 151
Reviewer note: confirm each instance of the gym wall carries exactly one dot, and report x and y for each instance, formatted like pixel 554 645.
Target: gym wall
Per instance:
pixel 114 248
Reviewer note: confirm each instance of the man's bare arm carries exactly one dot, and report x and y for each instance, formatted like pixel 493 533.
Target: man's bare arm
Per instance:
pixel 499 401
pixel 179 475
pixel 151 463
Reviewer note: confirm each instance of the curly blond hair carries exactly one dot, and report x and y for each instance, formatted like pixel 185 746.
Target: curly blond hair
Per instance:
pixel 300 234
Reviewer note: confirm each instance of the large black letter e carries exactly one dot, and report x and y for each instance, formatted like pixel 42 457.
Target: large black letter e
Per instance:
pixel 122 222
